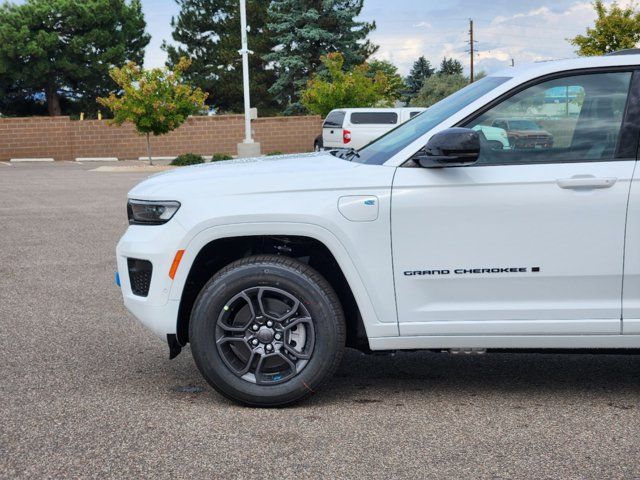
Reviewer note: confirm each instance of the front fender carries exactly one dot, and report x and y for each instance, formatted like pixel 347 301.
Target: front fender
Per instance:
pixel 379 317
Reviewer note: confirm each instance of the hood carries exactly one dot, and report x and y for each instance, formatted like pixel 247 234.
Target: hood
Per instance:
pixel 530 133
pixel 248 175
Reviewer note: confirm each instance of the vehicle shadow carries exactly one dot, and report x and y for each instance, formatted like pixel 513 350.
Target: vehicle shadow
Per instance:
pixel 417 376
pixel 363 378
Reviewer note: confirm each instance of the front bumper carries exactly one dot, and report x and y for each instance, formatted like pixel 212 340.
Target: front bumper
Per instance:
pixel 158 245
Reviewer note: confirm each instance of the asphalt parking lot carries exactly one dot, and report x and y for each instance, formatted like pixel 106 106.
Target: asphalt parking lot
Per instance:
pixel 85 392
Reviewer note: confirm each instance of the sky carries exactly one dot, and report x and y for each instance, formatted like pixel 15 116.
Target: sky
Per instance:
pixel 523 30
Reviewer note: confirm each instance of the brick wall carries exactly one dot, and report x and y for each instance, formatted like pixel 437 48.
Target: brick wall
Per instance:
pixel 36 137
pixel 63 139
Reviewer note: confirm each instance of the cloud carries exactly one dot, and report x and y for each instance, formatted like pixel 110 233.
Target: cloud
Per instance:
pixel 533 35
pixel 525 31
pixel 400 50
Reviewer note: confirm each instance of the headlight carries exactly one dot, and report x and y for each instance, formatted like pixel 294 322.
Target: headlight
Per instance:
pixel 146 212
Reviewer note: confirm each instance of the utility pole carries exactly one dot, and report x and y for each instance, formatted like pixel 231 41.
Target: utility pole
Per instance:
pixel 248 147
pixel 471 51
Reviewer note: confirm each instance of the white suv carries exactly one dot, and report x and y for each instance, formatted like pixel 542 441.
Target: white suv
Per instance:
pixel 431 237
pixel 357 127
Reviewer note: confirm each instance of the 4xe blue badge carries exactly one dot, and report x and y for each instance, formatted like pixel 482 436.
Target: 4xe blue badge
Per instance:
pixel 370 203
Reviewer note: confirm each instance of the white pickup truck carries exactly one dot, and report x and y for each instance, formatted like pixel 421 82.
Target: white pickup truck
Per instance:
pixel 430 237
pixel 357 127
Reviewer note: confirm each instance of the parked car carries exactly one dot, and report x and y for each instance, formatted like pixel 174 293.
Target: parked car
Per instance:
pixel 424 239
pixel 356 127
pixel 525 133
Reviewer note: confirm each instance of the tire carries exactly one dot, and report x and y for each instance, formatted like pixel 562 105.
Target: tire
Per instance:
pixel 292 358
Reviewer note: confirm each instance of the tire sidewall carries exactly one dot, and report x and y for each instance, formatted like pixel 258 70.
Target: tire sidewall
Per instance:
pixel 329 336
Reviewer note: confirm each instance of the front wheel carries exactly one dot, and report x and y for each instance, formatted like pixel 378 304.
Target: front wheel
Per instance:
pixel 267 331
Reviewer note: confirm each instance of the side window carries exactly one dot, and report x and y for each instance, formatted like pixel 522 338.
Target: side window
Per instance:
pixel 571 119
pixel 414 114
pixel 335 119
pixel 374 118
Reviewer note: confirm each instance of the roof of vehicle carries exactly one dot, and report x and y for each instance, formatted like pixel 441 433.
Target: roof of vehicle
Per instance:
pixel 539 69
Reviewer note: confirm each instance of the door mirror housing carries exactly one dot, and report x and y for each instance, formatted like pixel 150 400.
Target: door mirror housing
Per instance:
pixel 454 147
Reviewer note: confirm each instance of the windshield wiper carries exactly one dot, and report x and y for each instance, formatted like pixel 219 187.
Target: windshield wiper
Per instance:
pixel 350 154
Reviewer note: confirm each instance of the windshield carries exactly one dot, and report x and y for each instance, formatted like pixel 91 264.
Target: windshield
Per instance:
pixel 382 149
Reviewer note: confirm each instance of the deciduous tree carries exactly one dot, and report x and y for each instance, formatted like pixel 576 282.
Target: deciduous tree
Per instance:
pixel 156 101
pixel 616 28
pixel 345 89
pixel 438 87
pixel 395 84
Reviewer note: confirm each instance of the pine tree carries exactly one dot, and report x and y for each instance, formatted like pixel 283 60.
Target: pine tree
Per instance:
pixel 305 30
pixel 419 73
pixel 208 33
pixel 450 66
pixel 62 50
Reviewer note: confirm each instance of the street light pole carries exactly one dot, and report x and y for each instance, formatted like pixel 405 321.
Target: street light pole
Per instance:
pixel 248 147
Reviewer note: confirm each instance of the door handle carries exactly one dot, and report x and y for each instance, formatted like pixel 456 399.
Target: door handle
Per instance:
pixel 586 182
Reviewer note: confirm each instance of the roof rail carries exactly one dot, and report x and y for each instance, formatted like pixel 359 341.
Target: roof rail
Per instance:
pixel 626 51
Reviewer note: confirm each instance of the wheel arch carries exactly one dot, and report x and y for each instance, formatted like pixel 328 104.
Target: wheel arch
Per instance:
pixel 219 252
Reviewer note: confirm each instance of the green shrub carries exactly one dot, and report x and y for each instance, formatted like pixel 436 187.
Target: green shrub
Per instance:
pixel 187 159
pixel 218 157
pixel 273 154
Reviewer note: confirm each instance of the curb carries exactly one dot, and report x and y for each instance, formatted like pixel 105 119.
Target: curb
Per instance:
pixel 97 159
pixel 157 159
pixel 134 169
pixel 31 160
pixel 207 158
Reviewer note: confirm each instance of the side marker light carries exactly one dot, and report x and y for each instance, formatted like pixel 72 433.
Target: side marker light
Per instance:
pixel 176 263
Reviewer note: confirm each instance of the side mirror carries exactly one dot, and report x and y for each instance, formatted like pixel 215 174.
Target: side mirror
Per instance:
pixel 454 147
